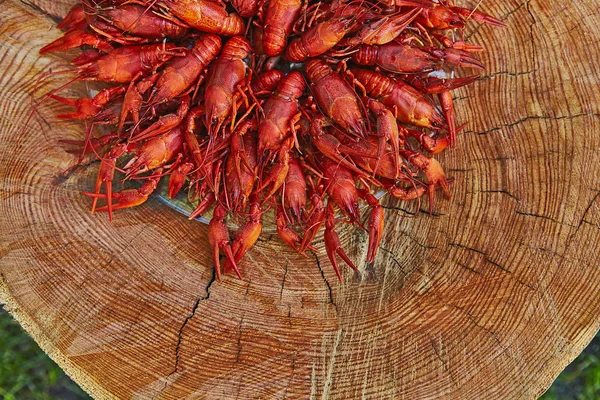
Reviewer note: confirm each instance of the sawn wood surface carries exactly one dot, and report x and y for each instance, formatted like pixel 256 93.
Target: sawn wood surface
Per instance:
pixel 489 298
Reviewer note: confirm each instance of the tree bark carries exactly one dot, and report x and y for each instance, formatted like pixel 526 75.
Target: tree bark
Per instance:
pixel 490 297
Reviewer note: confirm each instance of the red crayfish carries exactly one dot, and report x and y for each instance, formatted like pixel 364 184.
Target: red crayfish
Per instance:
pixel 301 109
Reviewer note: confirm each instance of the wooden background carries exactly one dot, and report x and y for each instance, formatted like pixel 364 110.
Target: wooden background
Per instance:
pixel 489 298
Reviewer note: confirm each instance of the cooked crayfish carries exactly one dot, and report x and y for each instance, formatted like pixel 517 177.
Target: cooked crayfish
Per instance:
pixel 259 108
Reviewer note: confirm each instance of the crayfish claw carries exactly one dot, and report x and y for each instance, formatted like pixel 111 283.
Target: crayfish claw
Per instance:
pixel 76 38
pixel 376 223
pixel 126 198
pixel 218 237
pixel 333 245
pixel 478 16
pixel 74 17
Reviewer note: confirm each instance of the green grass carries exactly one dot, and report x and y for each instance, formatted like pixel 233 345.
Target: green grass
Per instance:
pixel 26 373
pixel 581 379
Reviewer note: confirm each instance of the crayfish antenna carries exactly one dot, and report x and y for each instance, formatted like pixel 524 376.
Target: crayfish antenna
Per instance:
pixel 34 106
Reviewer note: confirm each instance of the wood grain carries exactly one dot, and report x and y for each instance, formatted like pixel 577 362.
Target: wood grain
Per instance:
pixel 491 297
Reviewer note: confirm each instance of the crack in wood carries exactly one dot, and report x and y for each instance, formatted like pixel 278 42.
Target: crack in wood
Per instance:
pixel 239 340
pixel 461 246
pixel 55 18
pixel 563 256
pixel 457 98
pixel 287 264
pixel 473 270
pixel 572 237
pixel 329 288
pixel 180 332
pixel 444 365
pixel 395 260
pixel 508 73
pixel 392 207
pixel 531 35
pixel 471 318
pixel 587 209
pixel 63 176
pixel 494 263
pixel 502 268
pixel 460 169
pixel 504 192
pixel 534 117
pixel 534 215
pixel 494 158
pixel 424 246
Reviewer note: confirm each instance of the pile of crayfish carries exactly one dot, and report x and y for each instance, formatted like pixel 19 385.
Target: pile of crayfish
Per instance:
pixel 306 108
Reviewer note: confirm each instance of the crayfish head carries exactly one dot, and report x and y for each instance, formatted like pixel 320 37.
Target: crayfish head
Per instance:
pixel 219 212
pixel 445 18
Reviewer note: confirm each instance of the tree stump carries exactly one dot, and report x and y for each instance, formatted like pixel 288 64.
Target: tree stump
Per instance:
pixel 490 297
